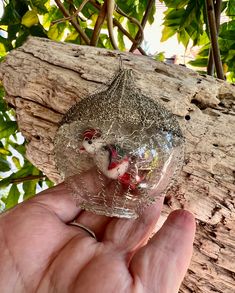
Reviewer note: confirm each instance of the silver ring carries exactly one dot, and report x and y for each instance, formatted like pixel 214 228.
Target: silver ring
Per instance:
pixel 84 228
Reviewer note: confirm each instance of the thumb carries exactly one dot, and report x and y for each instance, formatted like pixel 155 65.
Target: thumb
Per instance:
pixel 161 265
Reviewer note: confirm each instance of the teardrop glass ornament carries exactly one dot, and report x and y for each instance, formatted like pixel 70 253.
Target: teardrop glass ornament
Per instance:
pixel 118 150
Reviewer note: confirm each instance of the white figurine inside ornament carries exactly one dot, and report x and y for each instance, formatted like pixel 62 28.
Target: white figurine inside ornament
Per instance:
pixel 118 150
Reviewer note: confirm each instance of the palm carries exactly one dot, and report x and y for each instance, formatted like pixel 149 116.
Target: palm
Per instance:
pixel 41 253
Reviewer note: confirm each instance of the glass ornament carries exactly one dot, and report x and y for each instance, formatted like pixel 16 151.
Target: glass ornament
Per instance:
pixel 118 150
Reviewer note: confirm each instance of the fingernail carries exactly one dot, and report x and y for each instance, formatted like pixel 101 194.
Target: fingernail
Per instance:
pixel 182 217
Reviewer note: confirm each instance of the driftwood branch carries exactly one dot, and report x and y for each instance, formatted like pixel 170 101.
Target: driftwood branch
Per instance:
pixel 42 79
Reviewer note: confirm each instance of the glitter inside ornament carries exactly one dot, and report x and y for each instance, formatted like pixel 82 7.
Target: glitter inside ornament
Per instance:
pixel 118 150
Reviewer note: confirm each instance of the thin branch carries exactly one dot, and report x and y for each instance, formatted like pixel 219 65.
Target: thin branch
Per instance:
pixel 98 25
pixel 73 15
pixel 135 21
pixel 143 23
pixel 110 9
pixel 126 33
pixel 27 178
pixel 73 22
pixel 210 66
pixel 115 22
pixel 214 38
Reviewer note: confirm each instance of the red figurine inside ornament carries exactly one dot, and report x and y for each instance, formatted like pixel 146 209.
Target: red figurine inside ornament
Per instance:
pixel 111 159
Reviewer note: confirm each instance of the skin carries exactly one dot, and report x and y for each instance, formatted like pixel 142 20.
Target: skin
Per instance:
pixel 40 252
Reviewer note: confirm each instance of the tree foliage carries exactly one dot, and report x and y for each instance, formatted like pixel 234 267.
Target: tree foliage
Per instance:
pixel 97 23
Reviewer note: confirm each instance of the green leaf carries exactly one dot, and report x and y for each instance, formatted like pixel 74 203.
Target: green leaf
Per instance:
pixel 183 37
pixel 13 197
pixel 7 128
pixel 230 55
pixel 16 161
pixel 230 25
pixel 151 14
pixel 5 152
pixel 174 15
pixel 21 6
pixel 53 14
pixel 39 5
pixel 5 41
pixel 204 52
pixel 5 182
pixel 10 15
pixel 89 32
pixel 49 183
pixel 53 32
pixel 29 188
pixel 167 32
pixel 199 62
pixel 3 104
pixel 230 8
pixel 190 13
pixel 20 148
pixel 2 50
pixel 26 170
pixel 224 5
pixel 160 56
pixel 4 165
pixel 185 19
pixel 30 18
pixel 132 28
pixel 175 3
pixel 13 30
pixel 56 31
pixel 22 36
pixel 203 39
pixel 72 36
pixel 87 10
pixel 229 34
pixel 37 31
pixel 121 43
pixel 231 77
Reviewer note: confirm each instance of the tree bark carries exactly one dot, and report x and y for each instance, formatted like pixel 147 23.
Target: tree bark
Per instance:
pixel 43 79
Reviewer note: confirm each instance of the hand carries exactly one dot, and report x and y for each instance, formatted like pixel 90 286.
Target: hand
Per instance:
pixel 40 252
